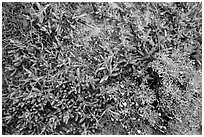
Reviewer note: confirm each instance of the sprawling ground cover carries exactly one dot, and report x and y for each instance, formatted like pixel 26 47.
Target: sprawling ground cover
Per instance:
pixel 101 68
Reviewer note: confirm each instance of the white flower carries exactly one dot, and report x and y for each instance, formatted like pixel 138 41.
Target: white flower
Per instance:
pixel 136 104
pixel 139 131
pixel 122 86
pixel 124 104
pixel 122 94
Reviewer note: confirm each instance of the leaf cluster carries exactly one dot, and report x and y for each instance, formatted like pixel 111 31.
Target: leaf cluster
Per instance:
pixel 101 68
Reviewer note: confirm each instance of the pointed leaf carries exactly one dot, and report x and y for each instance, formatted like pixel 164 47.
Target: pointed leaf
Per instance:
pixel 99 69
pixel 43 29
pixel 39 6
pixel 141 53
pixel 114 74
pixel 81 120
pixel 104 79
pixel 78 73
pixel 77 116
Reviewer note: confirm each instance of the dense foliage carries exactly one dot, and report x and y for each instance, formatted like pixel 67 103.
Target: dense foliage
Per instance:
pixel 101 68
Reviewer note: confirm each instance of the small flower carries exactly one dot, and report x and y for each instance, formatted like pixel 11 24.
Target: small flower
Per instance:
pixel 133 118
pixel 124 104
pixel 122 86
pixel 136 104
